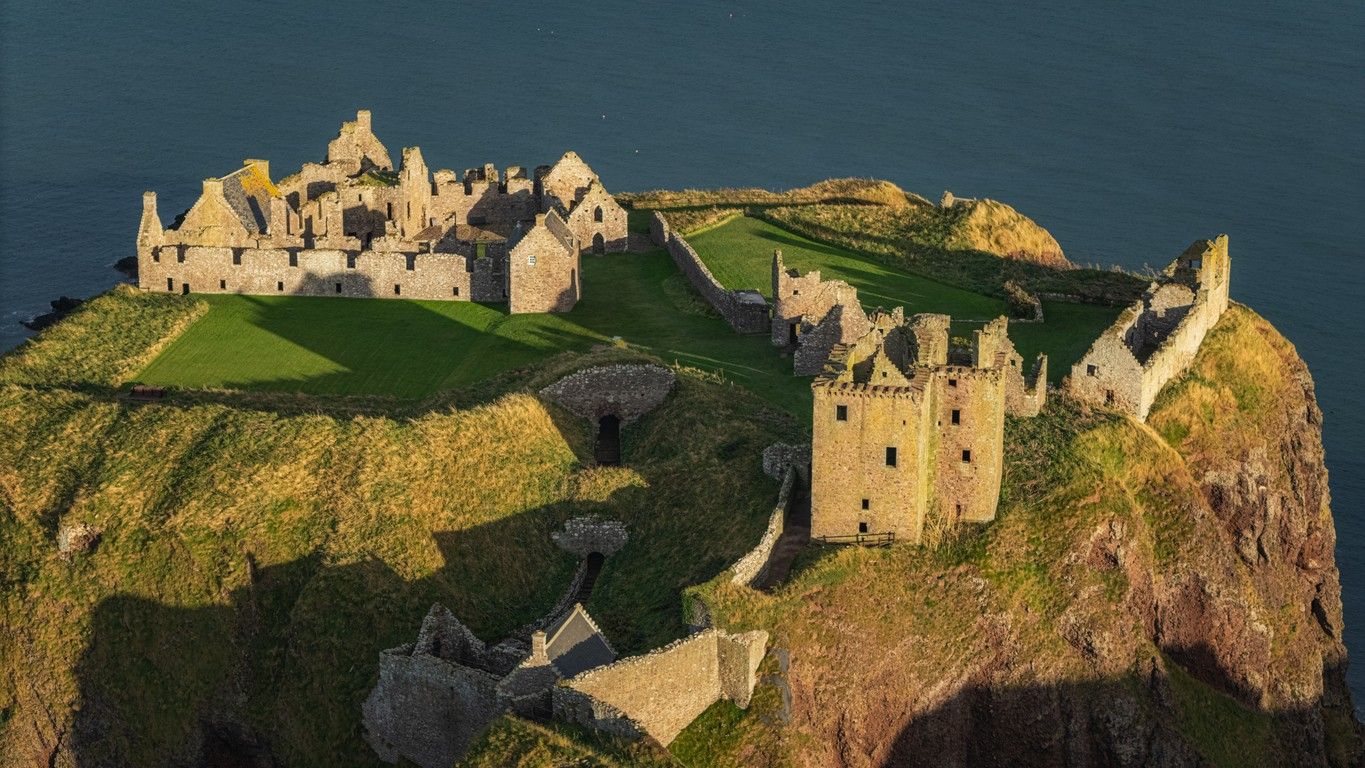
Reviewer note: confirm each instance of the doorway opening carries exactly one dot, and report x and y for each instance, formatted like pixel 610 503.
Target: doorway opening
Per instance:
pixel 599 245
pixel 608 451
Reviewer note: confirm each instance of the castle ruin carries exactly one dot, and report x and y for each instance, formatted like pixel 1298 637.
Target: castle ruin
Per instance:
pixel 810 316
pixel 356 226
pixel 908 431
pixel 1156 338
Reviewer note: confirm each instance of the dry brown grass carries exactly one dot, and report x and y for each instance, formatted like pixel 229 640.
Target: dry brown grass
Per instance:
pixel 833 191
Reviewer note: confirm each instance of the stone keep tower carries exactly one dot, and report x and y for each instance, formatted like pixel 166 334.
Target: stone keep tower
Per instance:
pixel 908 433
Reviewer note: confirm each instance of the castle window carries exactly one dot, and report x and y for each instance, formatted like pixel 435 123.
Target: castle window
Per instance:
pixel 293 258
pixel 890 457
pixel 796 291
pixel 350 261
pixel 412 262
pixel 531 260
pixel 279 286
pixel 957 416
pixel 388 211
pixel 457 290
pixel 966 456
pixel 597 214
pixel 236 257
pixel 338 285
pixel 1092 370
pixel 180 256
pixel 841 413
pixel 866 504
pixel 862 527
pixel 156 255
pixel 170 284
pixel 952 382
pixel 397 289
pixel 222 285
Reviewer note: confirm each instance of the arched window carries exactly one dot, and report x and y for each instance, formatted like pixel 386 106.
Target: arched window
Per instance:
pixel 597 214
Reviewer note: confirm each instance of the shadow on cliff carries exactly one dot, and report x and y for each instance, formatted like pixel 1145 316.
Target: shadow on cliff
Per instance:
pixel 1162 719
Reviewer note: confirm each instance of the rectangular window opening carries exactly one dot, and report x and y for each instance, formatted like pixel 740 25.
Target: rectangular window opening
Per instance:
pixel 890 457
pixel 957 416
pixel 350 261
pixel 170 284
pixel 841 413
pixel 952 382
pixel 293 258
pixel 866 504
pixel 457 290
pixel 1092 370
pixel 966 456
pixel 338 285
pixel 279 286
pixel 397 289
pixel 222 285
pixel 862 527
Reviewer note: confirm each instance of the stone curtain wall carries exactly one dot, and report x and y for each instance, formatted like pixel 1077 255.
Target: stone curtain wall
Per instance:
pixel 626 391
pixel 426 709
pixel 583 536
pixel 745 311
pixel 751 568
pixel 1111 372
pixel 659 230
pixel 662 692
pixel 367 274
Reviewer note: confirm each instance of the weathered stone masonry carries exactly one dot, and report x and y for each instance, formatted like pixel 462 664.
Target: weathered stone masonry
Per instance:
pixel 813 315
pixel 909 433
pixel 1157 337
pixel 746 311
pixel 353 226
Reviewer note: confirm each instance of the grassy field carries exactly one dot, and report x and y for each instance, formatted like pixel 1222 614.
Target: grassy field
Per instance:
pixel 414 348
pixel 739 254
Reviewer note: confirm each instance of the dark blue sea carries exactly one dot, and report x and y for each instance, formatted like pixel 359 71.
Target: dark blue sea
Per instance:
pixel 1128 130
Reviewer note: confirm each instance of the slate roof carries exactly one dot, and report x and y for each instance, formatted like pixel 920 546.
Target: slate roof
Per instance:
pixel 575 644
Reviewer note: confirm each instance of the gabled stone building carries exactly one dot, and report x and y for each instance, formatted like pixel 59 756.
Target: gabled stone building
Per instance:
pixel 908 432
pixel 1156 338
pixel 810 316
pixel 355 225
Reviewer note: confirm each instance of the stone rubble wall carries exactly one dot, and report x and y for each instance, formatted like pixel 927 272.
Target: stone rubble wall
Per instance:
pixel 626 391
pixel 750 569
pixel 584 535
pixel 745 311
pixel 366 274
pixel 662 692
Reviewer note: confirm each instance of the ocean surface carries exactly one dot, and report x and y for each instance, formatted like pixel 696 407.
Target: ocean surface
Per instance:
pixel 1128 130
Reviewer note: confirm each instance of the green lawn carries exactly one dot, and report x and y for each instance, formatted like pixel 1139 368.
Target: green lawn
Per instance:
pixel 413 348
pixel 410 349
pixel 739 253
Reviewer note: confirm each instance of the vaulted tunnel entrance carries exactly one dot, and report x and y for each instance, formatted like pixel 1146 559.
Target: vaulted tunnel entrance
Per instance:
pixel 608 452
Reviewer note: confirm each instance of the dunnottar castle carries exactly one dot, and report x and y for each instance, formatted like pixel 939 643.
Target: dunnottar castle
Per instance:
pixel 907 428
pixel 356 226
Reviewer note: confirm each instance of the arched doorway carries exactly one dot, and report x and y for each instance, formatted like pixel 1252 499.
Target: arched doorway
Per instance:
pixel 608 451
pixel 598 244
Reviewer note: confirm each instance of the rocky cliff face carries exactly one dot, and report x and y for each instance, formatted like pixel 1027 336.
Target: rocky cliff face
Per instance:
pixel 1159 594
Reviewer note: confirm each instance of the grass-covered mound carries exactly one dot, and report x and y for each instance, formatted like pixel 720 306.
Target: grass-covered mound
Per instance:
pixel 255 556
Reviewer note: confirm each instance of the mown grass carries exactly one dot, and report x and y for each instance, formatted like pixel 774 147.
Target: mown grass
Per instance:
pixel 739 254
pixel 254 561
pixel 411 349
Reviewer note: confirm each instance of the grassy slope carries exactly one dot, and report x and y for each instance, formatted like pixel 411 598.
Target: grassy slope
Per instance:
pixel 877 634
pixel 254 562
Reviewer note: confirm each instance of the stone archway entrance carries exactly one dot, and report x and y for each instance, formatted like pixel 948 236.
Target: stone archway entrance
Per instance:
pixel 608 452
pixel 599 245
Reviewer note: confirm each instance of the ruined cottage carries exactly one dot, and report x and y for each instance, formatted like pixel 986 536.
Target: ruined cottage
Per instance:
pixel 810 316
pixel 354 225
pixel 1156 338
pixel 908 431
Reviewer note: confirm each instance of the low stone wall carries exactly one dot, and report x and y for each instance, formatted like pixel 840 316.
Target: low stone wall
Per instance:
pixel 662 692
pixel 626 391
pixel 745 311
pixel 584 535
pixel 753 566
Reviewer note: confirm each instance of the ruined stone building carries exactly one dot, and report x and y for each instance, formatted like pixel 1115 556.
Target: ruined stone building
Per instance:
pixel 811 315
pixel 1156 338
pixel 908 431
pixel 355 225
